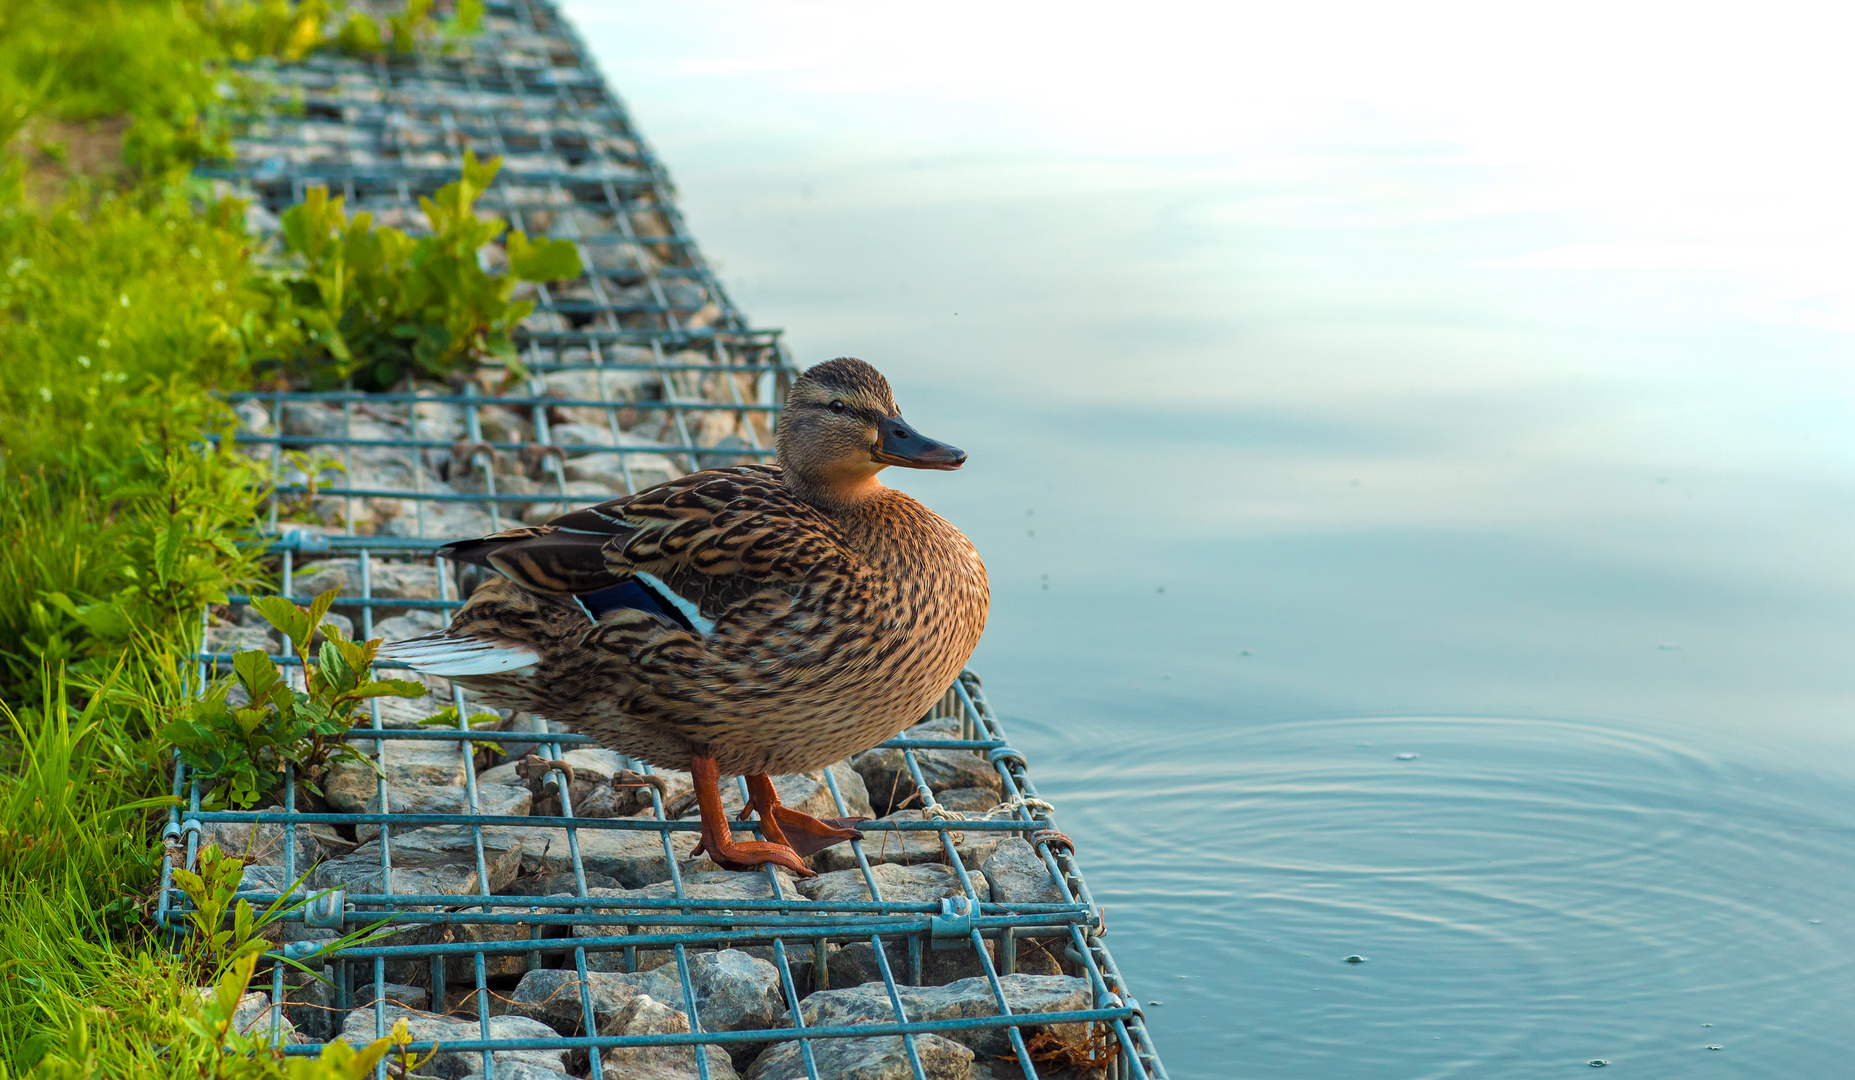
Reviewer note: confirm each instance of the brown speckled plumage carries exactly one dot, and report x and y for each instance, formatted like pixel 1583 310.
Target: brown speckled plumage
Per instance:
pixel 841 609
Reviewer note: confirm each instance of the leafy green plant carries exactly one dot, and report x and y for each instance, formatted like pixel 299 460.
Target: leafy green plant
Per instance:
pixel 246 747
pixel 378 305
pixel 446 718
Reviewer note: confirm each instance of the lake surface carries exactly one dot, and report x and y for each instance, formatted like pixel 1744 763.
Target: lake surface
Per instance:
pixel 1402 545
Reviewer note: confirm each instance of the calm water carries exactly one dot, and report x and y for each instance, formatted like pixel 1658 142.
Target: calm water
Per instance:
pixel 1400 546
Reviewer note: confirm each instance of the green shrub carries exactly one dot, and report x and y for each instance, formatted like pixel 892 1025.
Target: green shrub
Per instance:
pixel 377 305
pixel 244 748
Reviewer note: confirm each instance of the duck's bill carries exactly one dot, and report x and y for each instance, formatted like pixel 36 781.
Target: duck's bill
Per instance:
pixel 902 445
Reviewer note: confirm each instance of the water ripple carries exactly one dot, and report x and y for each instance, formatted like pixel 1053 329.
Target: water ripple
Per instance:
pixel 1533 894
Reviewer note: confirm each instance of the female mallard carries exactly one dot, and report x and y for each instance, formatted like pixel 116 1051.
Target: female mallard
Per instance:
pixel 752 620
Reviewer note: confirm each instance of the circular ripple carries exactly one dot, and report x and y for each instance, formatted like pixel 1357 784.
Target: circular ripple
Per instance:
pixel 1533 894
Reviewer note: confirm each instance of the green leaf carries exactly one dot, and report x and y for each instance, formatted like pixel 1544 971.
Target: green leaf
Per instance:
pixel 320 605
pixel 285 616
pixel 257 672
pixel 405 688
pixel 544 259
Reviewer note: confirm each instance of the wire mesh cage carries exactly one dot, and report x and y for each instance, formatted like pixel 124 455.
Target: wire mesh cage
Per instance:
pixel 540 908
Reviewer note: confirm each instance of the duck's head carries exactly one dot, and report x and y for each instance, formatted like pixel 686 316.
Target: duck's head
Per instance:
pixel 841 427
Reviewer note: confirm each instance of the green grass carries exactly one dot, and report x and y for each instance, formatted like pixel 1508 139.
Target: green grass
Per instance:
pixel 127 296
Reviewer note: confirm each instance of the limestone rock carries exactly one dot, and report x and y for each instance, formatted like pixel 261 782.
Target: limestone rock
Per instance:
pixel 359 1031
pixel 892 787
pixel 439 861
pixel 922 883
pixel 633 858
pixel 261 843
pixel 412 997
pixel 706 885
pixel 972 800
pixel 552 996
pixel 1018 875
pixel 578 493
pixel 1026 994
pixel 414 623
pixel 906 847
pixel 498 800
pixel 881 1058
pixel 408 763
pixel 389 580
pixel 255 1016
pixel 524 1071
pixel 645 1015
pixel 228 638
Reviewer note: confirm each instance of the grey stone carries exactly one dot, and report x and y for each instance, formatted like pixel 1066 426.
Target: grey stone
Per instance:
pixel 1026 994
pixel 228 638
pixel 497 800
pixel 579 493
pixel 881 1058
pixel 581 435
pixel 255 1016
pixel 609 468
pixel 407 713
pixel 350 785
pixel 359 1031
pixel 389 580
pixel 441 519
pixel 892 787
pixel 312 419
pixel 524 1071
pixel 501 424
pixel 416 622
pixel 907 847
pixel 734 992
pixel 262 879
pixel 440 861
pixel 594 769
pixel 975 800
pixel 309 1003
pixel 343 625
pixel 261 843
pixel 854 963
pixel 1018 875
pixel 702 885
pixel 618 385
pixel 557 883
pixel 552 996
pixel 412 997
pixel 921 883
pixel 645 1015
pixel 634 858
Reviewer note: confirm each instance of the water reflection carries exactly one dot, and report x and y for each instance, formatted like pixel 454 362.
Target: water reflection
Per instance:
pixel 1353 436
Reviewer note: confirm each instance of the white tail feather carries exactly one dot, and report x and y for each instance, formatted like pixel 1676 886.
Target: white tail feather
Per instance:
pixel 437 654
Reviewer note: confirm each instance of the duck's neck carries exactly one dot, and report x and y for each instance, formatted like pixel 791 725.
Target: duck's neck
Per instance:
pixel 838 494
pixel 869 513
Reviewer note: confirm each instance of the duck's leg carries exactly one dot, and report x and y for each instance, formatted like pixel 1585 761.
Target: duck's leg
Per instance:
pixel 718 841
pixel 803 833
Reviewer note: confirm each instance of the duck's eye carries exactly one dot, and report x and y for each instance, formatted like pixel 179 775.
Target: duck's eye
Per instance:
pixel 837 406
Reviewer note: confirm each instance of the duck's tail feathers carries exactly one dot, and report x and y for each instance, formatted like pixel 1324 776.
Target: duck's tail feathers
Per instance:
pixel 440 654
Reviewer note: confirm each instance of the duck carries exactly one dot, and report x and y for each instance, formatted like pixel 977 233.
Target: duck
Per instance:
pixel 746 621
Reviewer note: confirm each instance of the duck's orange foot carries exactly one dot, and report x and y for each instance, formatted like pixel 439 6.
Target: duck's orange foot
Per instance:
pixel 807 834
pixel 747 854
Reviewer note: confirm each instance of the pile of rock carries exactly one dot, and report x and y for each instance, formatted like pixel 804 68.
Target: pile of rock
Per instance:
pixel 592 452
pixel 640 992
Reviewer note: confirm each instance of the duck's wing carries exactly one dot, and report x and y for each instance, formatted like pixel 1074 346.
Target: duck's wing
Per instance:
pixel 699 545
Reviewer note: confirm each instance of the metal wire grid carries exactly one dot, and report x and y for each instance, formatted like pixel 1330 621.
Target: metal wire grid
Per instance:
pixel 537 89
